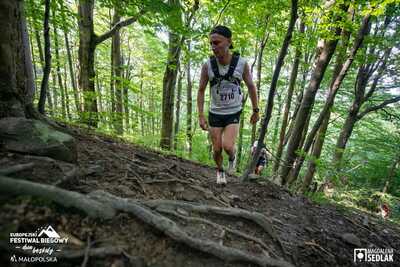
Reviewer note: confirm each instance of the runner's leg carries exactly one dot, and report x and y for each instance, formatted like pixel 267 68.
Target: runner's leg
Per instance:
pixel 216 139
pixel 230 134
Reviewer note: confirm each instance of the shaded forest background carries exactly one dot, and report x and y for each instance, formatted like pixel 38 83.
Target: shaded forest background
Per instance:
pixel 131 68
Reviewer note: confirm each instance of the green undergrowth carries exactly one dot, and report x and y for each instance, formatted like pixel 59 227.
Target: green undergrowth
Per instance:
pixel 366 200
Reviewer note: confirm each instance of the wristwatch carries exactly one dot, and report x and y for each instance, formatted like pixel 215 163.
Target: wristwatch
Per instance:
pixel 256 110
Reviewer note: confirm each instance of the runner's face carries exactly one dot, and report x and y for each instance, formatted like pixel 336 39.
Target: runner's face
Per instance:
pixel 219 44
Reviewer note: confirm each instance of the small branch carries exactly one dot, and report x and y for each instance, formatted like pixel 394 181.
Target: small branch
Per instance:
pixel 221 12
pixel 377 107
pixel 118 26
pixel 16 168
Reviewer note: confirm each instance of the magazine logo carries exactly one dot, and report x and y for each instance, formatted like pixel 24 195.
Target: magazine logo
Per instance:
pixel 373 255
pixel 37 246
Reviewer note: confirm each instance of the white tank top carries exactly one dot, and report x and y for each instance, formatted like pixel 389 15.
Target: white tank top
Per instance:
pixel 226 97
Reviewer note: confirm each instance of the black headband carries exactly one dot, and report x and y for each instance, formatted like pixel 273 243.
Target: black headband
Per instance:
pixel 224 31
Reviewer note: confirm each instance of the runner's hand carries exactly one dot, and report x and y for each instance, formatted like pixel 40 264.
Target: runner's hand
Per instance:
pixel 203 123
pixel 254 117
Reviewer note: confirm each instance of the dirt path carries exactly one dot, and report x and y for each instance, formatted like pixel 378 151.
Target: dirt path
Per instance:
pixel 310 234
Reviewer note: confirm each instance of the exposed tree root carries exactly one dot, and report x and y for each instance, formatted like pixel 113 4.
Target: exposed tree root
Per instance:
pixel 171 229
pixel 16 168
pixel 256 217
pixel 224 229
pixel 60 196
pixel 104 205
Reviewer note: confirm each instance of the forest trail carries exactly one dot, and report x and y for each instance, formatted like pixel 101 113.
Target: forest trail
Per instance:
pixel 302 233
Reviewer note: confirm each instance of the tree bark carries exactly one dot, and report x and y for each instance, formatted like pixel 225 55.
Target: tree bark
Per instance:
pixel 58 69
pixel 117 75
pixel 47 59
pixel 326 49
pixel 169 82
pixel 339 74
pixel 72 74
pixel 269 106
pixel 87 46
pixel 16 91
pixel 189 104
pixel 259 58
pixel 240 142
pixel 361 96
pixel 292 83
pixel 178 110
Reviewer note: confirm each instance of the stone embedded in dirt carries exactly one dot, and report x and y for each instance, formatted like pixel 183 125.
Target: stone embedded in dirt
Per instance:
pixel 365 221
pixel 351 239
pixel 178 188
pixel 234 197
pixel 95 169
pixel 37 138
pixel 189 196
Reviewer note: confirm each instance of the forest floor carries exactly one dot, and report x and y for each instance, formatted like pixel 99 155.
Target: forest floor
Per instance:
pixel 306 233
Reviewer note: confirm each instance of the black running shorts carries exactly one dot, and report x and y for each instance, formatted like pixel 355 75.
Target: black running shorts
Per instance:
pixel 216 120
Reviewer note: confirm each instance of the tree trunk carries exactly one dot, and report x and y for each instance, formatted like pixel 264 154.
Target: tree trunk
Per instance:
pixel 274 81
pixel 339 74
pixel 391 173
pixel 67 102
pixel 315 154
pixel 47 65
pixel 87 48
pixel 117 76
pixel 169 87
pixel 292 83
pixel 72 74
pixel 141 106
pixel 326 50
pixel 189 104
pixel 58 69
pixel 178 110
pixel 363 75
pixel 41 57
pixel 263 43
pixel 16 71
pixel 240 142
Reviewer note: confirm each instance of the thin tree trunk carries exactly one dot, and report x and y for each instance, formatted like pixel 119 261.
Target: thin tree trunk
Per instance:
pixel 87 47
pixel 363 75
pixel 141 107
pixel 47 65
pixel 117 75
pixel 72 74
pixel 259 58
pixel 240 142
pixel 67 102
pixel 278 118
pixel 178 110
pixel 269 106
pixel 292 83
pixel 54 90
pixel 169 86
pixel 326 50
pixel 189 104
pixel 58 69
pixel 315 154
pixel 391 173
pixel 339 74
